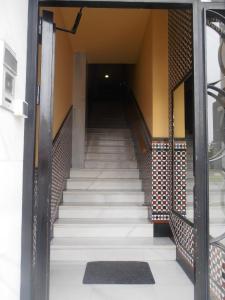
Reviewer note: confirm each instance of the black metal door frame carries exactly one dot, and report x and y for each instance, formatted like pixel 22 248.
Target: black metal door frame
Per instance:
pixel 201 185
pixel 47 39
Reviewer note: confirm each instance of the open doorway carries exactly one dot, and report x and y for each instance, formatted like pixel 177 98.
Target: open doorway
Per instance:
pixel 113 203
pixel 150 124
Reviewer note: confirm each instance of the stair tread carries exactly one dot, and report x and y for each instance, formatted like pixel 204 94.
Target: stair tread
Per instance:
pixel 106 170
pixel 112 160
pixel 111 221
pixel 104 179
pixel 70 191
pixel 134 242
pixel 106 205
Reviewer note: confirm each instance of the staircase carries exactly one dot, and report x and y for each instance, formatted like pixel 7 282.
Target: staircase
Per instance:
pixel 103 216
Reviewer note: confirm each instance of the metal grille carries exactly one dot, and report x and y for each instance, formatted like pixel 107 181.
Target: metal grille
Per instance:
pixel 180 64
pixel 184 237
pixel 61 164
pixel 217 272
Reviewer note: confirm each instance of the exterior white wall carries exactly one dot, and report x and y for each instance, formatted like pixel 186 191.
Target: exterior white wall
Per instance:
pixel 13 29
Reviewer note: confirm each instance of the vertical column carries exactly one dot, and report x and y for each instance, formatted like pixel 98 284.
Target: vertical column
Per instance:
pixel 79 110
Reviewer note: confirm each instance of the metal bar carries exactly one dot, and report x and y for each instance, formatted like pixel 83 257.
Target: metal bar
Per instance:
pixel 26 286
pixel 45 155
pixel 75 25
pixel 201 225
pixel 118 3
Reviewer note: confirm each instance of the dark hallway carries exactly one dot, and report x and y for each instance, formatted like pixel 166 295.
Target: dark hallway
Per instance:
pixel 107 95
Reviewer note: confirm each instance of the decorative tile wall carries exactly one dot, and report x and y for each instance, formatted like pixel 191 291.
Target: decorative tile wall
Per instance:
pixel 160 173
pixel 154 166
pixel 180 177
pixel 180 65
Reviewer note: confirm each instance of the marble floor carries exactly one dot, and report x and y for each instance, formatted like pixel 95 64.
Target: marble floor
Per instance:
pixel 171 284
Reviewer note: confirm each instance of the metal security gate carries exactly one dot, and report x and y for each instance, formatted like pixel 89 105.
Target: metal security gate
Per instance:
pixel 41 226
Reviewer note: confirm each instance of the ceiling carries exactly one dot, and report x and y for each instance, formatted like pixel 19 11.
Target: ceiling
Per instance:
pixel 107 35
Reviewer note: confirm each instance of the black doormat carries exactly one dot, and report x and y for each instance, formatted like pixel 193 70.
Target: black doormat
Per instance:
pixel 118 272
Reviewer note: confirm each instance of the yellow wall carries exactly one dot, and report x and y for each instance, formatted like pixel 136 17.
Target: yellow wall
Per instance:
pixel 63 79
pixel 150 78
pixel 179 112
pixel 63 75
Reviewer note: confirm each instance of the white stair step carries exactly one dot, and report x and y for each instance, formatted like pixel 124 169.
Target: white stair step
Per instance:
pixel 100 164
pixel 74 210
pixel 109 142
pixel 104 184
pixel 109 130
pixel 110 156
pixel 112 136
pixel 104 173
pixel 120 249
pixel 103 228
pixel 103 196
pixel 110 149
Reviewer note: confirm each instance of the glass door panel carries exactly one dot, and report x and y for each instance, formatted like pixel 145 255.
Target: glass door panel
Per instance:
pixel 216 121
pixel 215 103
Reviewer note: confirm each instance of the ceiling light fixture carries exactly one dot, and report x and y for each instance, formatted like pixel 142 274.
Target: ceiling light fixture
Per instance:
pixel 106 76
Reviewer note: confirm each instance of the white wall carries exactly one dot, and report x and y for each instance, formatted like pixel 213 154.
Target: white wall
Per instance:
pixel 13 29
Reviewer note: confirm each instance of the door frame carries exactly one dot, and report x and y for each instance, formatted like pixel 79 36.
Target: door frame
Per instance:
pixel 201 162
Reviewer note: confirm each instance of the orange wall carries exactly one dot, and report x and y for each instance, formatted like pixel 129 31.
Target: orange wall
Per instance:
pixel 179 111
pixel 63 75
pixel 62 82
pixel 150 76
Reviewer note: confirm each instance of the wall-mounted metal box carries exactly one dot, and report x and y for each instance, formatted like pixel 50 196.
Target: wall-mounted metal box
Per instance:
pixel 8 72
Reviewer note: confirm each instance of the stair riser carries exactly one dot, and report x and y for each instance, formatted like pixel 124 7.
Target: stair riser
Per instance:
pixel 121 143
pixel 105 230
pixel 110 156
pixel 110 149
pixel 101 185
pixel 104 174
pixel 108 131
pixel 96 164
pixel 113 136
pixel 103 198
pixel 111 254
pixel 103 213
